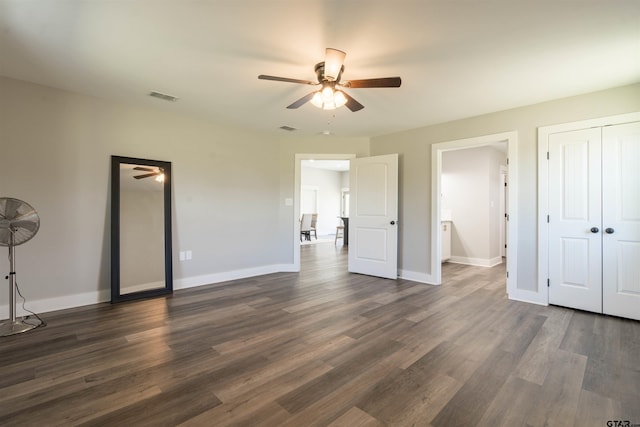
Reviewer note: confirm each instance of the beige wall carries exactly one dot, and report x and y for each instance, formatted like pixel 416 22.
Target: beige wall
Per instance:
pixel 229 187
pixel 414 147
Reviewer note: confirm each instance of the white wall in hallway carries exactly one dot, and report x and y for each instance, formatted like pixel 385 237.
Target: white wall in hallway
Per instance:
pixel 471 190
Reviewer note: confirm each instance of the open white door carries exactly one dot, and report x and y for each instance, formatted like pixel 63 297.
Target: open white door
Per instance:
pixel 373 220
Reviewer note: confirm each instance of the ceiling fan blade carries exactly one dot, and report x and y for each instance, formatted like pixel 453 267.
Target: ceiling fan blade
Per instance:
pixel 286 79
pixel 147 175
pixel 352 104
pixel 381 82
pixel 301 101
pixel 140 168
pixel 333 60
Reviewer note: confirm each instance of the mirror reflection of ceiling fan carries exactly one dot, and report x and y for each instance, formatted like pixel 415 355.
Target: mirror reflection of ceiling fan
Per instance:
pixel 329 74
pixel 157 172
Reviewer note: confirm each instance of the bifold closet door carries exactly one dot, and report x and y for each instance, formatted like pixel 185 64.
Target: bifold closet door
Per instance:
pixel 621 220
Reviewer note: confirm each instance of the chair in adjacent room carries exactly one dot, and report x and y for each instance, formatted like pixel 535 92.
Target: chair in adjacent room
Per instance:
pixel 314 221
pixel 305 227
pixel 339 233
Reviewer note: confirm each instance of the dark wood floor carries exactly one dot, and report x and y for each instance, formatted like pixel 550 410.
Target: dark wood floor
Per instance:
pixel 325 348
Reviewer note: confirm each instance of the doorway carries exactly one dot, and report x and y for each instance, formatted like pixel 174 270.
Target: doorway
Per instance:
pixel 437 150
pixel 471 204
pixel 327 219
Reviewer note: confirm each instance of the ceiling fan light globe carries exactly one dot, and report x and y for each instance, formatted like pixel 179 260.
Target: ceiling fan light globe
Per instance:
pixel 317 100
pixel 327 94
pixel 329 106
pixel 339 99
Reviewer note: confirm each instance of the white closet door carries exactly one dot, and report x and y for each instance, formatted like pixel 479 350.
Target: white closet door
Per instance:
pixel 621 220
pixel 575 240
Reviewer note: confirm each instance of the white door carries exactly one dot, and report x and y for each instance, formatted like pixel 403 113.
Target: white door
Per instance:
pixel 621 220
pixel 373 229
pixel 575 240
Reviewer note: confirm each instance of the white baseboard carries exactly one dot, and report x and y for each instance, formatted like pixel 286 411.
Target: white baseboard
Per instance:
pixel 415 276
pixel 478 262
pixel 47 305
pixel 531 297
pixel 57 303
pixel 208 279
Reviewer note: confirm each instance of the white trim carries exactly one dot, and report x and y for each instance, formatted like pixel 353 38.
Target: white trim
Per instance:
pixel 511 138
pixel 415 276
pixel 207 279
pixel 543 187
pixel 78 300
pixel 478 262
pixel 299 157
pixel 57 303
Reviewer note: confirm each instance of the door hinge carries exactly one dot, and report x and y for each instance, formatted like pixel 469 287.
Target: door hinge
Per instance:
pixel 547 155
pixel 507 274
pixel 548 283
pixel 507 160
pixel 547 218
pixel 505 246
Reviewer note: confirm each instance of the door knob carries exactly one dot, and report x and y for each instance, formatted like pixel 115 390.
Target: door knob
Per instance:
pixel 594 229
pixel 392 223
pixel 609 230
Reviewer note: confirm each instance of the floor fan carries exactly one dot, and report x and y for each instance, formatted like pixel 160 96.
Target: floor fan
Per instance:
pixel 19 222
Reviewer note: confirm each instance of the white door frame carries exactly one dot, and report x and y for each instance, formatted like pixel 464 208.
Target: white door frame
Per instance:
pixel 511 138
pixel 543 187
pixel 299 157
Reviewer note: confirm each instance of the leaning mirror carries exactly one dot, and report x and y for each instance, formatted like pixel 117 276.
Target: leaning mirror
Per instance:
pixel 140 228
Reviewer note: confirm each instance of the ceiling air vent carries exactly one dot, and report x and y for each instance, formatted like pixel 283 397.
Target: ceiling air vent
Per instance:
pixel 288 128
pixel 163 96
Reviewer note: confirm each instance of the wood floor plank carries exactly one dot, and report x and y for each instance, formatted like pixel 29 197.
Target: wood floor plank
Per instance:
pixel 468 405
pixel 561 390
pixel 512 405
pixel 536 361
pixel 324 347
pixel 355 417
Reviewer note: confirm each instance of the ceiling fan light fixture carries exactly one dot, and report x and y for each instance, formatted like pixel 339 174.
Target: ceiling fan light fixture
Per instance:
pixel 333 63
pixel 339 99
pixel 317 99
pixel 328 99
pixel 327 94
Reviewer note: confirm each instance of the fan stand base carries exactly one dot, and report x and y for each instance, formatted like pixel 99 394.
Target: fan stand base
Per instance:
pixel 18 326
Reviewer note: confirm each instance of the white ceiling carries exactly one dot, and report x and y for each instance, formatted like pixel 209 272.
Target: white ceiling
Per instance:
pixel 456 58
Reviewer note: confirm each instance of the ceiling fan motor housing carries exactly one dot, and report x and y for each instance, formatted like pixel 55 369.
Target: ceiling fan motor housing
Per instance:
pixel 319 69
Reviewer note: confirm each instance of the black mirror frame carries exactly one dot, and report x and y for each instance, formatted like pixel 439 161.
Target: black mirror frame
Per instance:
pixel 116 296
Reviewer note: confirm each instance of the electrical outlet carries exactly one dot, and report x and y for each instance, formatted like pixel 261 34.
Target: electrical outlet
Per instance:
pixel 182 256
pixel 188 255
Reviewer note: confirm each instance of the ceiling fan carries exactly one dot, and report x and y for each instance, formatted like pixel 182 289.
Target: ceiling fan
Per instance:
pixel 329 74
pixel 151 172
